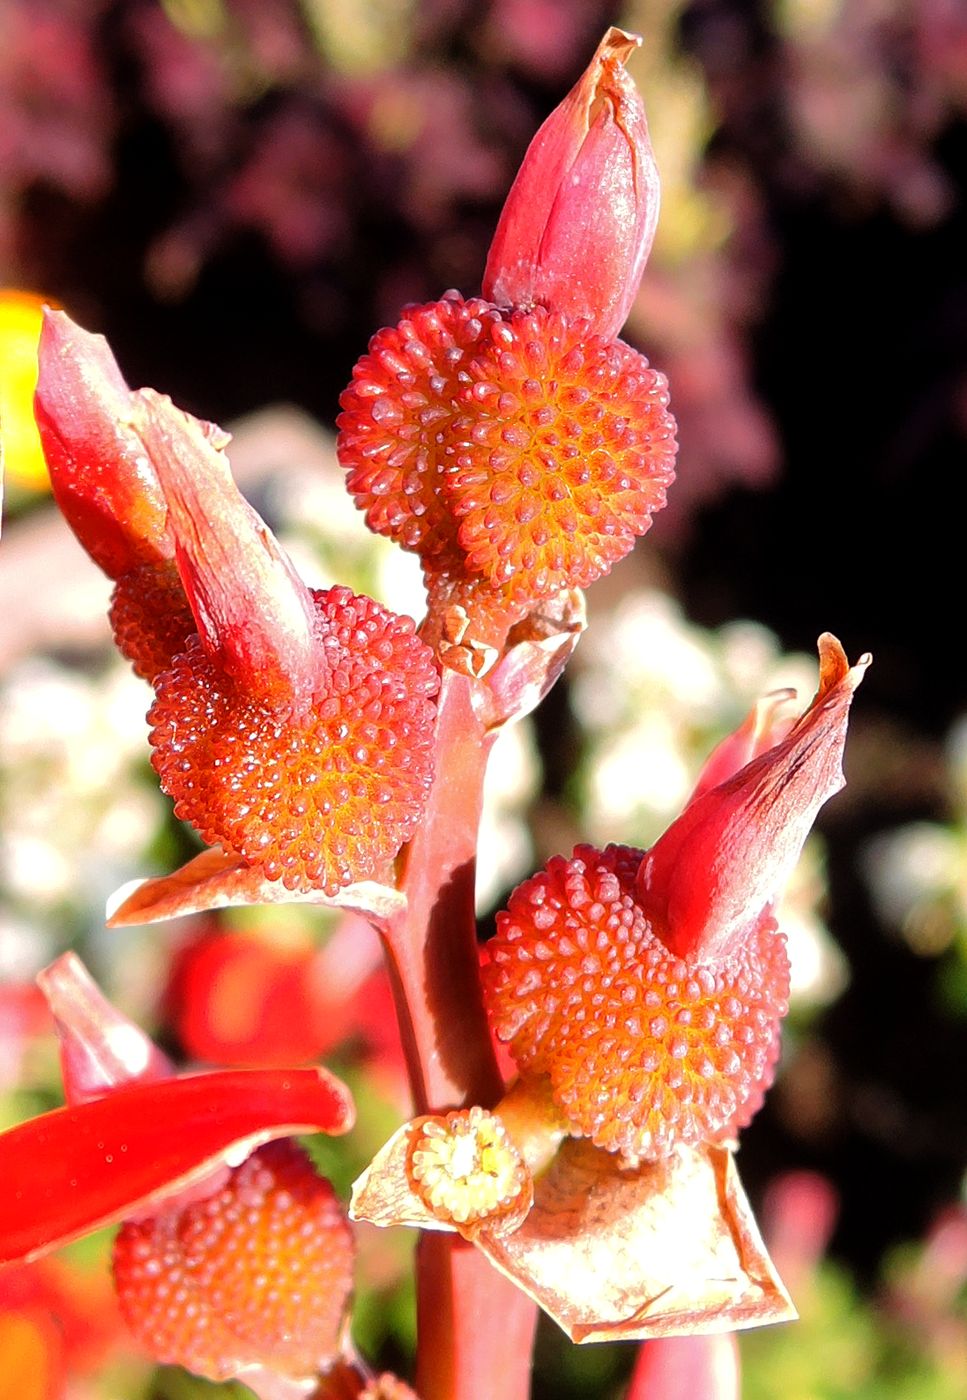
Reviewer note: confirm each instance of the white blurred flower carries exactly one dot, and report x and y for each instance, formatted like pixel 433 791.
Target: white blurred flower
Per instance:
pixel 76 816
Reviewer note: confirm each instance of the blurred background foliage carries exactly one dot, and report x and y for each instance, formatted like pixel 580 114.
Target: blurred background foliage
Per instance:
pixel 237 193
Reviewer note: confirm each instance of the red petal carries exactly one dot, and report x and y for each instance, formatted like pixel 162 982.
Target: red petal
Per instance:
pixel 76 1169
pixel 580 218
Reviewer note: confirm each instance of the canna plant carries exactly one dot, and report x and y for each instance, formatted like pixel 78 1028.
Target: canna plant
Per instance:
pixel 328 751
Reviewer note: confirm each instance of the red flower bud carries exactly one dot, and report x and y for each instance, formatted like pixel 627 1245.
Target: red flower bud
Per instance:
pixel 320 797
pixel 519 451
pixel 580 218
pixel 644 1050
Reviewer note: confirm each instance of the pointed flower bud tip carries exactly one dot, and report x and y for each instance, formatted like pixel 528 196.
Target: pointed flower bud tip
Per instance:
pixel 580 218
pixel 257 1274
pixel 254 614
pixel 100 1049
pixel 101 476
pixel 730 854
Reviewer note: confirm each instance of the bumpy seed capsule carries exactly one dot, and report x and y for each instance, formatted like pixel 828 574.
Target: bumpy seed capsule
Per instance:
pixel 317 797
pixel 516 448
pixel 643 1049
pixel 150 617
pixel 467 1171
pixel 258 1273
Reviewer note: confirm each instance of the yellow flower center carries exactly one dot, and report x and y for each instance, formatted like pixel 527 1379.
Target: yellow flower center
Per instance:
pixel 466 1170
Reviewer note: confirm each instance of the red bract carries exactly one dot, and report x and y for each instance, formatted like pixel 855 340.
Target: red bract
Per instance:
pixel 708 879
pixel 74 1170
pixel 102 480
pixel 580 218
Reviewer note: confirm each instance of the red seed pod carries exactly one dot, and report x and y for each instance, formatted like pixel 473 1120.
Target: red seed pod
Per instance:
pixel 319 797
pixel 259 1273
pixel 515 448
pixel 150 617
pixel 644 1050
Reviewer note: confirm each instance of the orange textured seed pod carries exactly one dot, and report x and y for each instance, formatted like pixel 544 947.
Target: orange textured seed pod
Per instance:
pixel 150 617
pixel 644 1050
pixel 512 447
pixel 257 1274
pixel 318 798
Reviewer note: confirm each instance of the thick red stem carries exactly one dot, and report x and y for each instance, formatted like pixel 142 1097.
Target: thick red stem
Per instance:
pixel 476 1329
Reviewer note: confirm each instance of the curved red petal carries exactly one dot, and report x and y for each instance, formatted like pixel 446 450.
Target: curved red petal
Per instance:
pixel 76 1169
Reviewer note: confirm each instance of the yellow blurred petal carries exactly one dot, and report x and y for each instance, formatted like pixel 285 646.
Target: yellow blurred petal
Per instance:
pixel 20 322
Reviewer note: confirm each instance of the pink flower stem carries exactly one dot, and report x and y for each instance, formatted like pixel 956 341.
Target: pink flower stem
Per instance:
pixel 475 1328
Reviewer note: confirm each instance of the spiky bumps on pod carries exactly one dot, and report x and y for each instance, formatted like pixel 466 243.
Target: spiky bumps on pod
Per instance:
pixel 258 1273
pixel 643 1049
pixel 511 446
pixel 321 798
pixel 150 617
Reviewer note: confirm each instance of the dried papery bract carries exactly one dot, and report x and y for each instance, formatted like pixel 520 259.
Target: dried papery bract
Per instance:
pixel 670 1248
pixel 578 224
